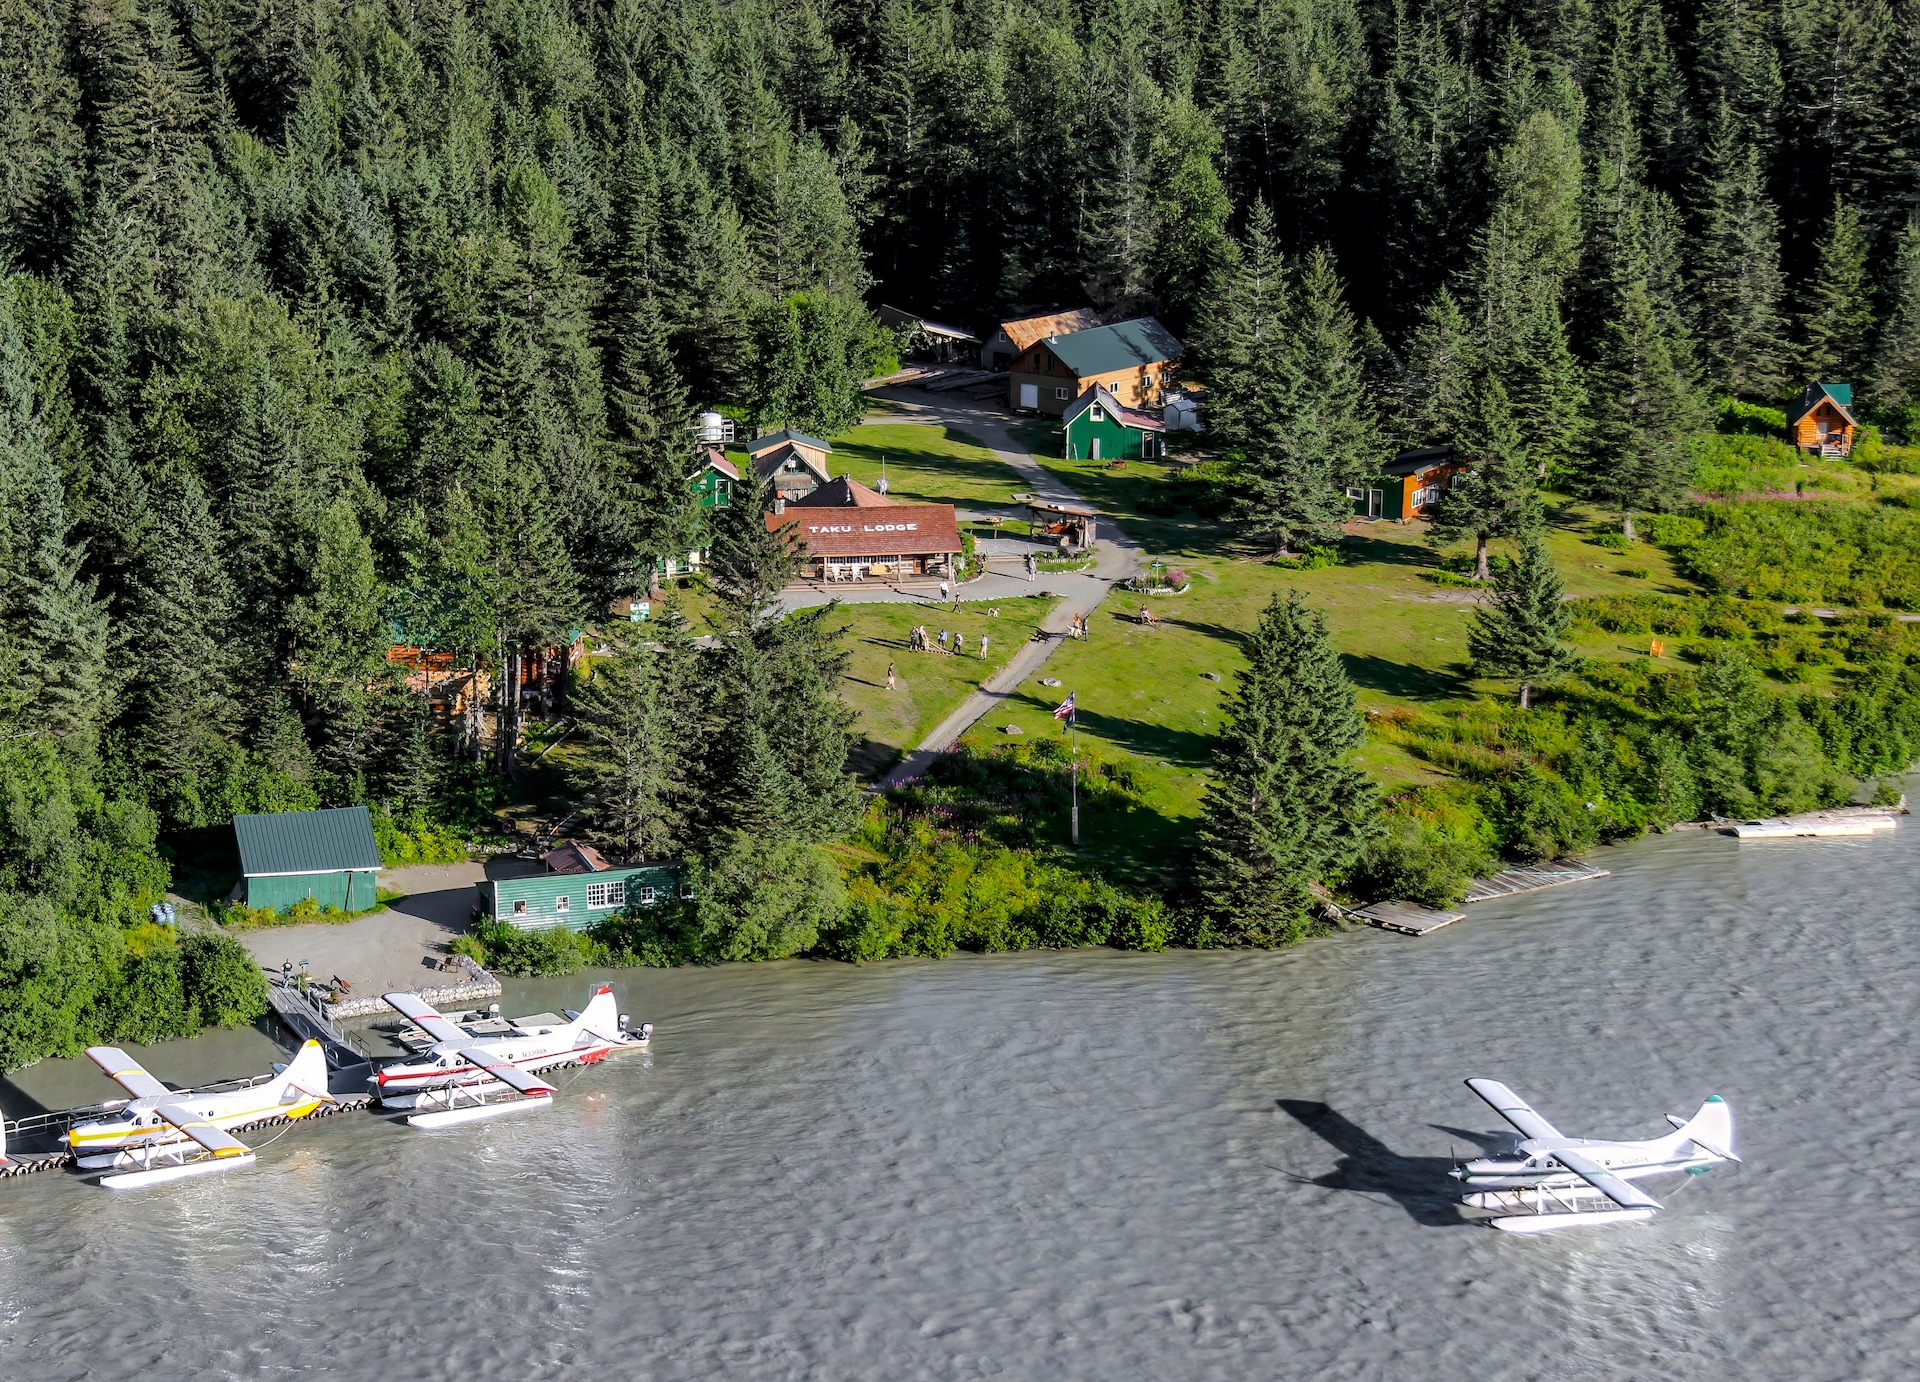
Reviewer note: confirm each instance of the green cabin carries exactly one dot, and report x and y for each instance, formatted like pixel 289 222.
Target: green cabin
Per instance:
pixel 576 889
pixel 329 856
pixel 1099 427
pixel 713 482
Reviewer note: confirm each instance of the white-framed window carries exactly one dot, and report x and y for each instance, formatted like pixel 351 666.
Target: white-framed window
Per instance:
pixel 1355 492
pixel 1060 393
pixel 1098 414
pixel 606 895
pixel 647 897
pixel 563 903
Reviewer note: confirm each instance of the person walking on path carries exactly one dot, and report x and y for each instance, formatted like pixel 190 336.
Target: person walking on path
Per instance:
pixel 1033 565
pixel 890 680
pixel 959 643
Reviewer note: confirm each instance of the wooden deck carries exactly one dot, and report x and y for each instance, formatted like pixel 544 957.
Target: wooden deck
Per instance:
pixel 1408 918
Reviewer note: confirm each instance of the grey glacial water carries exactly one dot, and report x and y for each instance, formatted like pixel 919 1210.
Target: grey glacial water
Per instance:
pixel 1088 1165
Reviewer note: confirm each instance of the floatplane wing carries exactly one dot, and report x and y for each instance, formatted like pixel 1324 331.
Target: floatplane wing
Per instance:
pixel 1621 1192
pixel 504 1071
pixel 124 1071
pixel 426 1015
pixel 208 1134
pixel 1513 1108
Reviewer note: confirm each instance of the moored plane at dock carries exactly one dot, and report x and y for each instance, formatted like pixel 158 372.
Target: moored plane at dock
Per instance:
pixel 463 1072
pixel 164 1134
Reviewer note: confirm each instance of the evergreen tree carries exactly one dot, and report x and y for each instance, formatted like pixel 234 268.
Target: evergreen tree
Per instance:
pixel 1894 383
pixel 1438 406
pixel 749 562
pixel 1286 810
pixel 1738 280
pixel 1518 632
pixel 1242 338
pixel 1837 330
pixel 638 709
pixel 1498 495
pixel 1644 412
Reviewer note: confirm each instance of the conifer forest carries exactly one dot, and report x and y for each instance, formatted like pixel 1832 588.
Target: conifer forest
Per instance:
pixel 326 326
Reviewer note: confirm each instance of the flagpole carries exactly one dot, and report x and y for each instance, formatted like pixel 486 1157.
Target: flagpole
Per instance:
pixel 1073 754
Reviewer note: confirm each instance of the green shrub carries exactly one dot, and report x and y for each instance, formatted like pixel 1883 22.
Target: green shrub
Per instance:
pixel 1734 417
pixel 1671 529
pixel 1537 816
pixel 1811 552
pixel 1435 843
pixel 410 838
pixel 530 954
pixel 222 980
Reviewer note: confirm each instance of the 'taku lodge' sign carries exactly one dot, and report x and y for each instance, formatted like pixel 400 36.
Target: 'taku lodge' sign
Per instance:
pixel 864 528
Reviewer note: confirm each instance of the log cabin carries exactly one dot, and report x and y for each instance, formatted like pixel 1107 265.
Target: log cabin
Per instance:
pixel 1013 337
pixel 1821 419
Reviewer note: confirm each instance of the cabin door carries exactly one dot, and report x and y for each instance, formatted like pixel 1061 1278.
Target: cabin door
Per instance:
pixel 1029 395
pixel 1374 497
pixel 1094 454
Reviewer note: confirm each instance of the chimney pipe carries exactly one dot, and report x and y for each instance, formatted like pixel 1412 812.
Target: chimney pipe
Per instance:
pixel 779 506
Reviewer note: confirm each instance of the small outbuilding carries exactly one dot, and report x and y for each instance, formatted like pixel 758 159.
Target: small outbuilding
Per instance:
pixel 1065 523
pixel 1100 427
pixel 1408 486
pixel 577 889
pixel 1821 419
pixel 926 339
pixel 290 856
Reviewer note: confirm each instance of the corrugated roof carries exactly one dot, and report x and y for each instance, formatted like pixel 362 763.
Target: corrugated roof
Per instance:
pixel 1418 460
pixel 902 530
pixel 1127 417
pixel 306 842
pixel 896 318
pixel 773 439
pixel 845 492
pixel 1024 331
pixel 573 857
pixel 1124 345
pixel 713 458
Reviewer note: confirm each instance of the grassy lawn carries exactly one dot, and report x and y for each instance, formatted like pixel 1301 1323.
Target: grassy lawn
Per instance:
pixel 925 464
pixel 931 685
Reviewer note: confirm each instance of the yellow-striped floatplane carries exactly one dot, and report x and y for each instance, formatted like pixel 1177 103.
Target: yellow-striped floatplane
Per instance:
pixel 164 1134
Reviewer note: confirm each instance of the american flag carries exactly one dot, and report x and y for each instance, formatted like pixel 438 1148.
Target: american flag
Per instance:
pixel 1065 709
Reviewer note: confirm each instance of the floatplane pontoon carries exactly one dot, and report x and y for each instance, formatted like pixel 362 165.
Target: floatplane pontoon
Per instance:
pixel 1549 1181
pixel 461 1073
pixel 164 1134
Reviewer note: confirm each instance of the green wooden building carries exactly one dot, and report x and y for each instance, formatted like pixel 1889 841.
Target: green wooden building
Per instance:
pixel 290 856
pixel 1099 427
pixel 577 889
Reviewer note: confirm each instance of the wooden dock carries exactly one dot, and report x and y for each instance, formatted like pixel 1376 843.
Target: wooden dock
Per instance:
pixel 349 1066
pixel 1408 918
pixel 1512 882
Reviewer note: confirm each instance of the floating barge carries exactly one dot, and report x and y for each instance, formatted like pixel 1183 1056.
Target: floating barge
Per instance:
pixel 1840 821
pixel 1408 918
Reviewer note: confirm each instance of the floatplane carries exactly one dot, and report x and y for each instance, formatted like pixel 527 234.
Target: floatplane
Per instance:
pixel 1549 1181
pixel 164 1134
pixel 464 1073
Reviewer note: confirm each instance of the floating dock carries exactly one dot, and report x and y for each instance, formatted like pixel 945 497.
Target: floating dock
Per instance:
pixel 1512 882
pixel 1408 918
pixel 1841 821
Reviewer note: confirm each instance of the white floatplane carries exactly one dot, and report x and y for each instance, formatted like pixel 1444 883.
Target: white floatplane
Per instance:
pixel 1549 1181
pixel 464 1076
pixel 165 1134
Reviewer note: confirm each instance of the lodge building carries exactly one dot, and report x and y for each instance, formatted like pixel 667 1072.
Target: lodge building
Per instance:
pixel 852 533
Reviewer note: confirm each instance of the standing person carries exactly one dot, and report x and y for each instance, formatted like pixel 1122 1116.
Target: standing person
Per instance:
pixel 944 588
pixel 943 640
pixel 1032 565
pixel 959 643
pixel 983 647
pixel 890 681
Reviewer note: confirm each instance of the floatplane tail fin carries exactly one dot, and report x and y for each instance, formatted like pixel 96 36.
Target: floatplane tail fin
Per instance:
pixel 1711 1129
pixel 306 1074
pixel 601 1018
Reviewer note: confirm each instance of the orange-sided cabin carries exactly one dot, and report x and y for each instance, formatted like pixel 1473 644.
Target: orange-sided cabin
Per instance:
pixel 1408 486
pixel 1821 419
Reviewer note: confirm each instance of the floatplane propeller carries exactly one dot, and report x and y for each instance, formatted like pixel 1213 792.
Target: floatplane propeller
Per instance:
pixel 166 1134
pixel 1550 1181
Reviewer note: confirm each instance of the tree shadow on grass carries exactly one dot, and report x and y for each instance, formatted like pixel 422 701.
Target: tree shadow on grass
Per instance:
pixel 1402 679
pixel 1364 547
pixel 1180 747
pixel 1369 1167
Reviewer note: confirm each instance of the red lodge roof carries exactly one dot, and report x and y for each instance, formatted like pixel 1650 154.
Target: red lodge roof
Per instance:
pixel 858 531
pixel 845 492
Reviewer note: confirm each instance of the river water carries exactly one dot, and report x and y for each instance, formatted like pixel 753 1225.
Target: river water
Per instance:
pixel 1087 1165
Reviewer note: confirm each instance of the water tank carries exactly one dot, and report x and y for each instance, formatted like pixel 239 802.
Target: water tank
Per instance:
pixel 713 427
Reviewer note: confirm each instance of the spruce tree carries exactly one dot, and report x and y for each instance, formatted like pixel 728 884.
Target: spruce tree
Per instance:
pixel 1498 495
pixel 1518 632
pixel 1837 331
pixel 1644 413
pixel 1241 339
pixel 1438 407
pixel 1737 281
pixel 749 563
pixel 1894 383
pixel 1286 810
pixel 637 709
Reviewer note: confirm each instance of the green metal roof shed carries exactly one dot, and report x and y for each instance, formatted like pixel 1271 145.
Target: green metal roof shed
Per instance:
pixel 329 856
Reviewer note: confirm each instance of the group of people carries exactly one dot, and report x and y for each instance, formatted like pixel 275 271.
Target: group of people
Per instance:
pixel 949 641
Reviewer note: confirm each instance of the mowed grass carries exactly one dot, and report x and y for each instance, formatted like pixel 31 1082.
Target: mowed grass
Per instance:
pixel 1145 694
pixel 925 464
pixel 930 686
